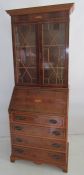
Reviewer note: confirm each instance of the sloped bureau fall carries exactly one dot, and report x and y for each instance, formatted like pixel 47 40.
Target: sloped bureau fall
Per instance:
pixel 38 110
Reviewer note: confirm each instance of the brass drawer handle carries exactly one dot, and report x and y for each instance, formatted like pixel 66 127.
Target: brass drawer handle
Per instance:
pixel 56 145
pixel 18 117
pixel 19 150
pixel 19 128
pixel 55 157
pixel 18 139
pixel 52 121
pixel 56 133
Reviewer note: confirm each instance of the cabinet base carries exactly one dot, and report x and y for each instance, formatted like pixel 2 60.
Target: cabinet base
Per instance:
pixel 63 166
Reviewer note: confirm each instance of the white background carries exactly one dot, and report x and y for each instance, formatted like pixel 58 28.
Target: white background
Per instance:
pixel 76 62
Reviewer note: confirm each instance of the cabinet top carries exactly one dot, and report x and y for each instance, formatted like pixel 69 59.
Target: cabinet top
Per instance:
pixel 42 9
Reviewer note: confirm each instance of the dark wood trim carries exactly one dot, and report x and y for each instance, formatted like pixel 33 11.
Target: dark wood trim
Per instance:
pixel 37 53
pixel 42 85
pixel 13 46
pixel 43 21
pixel 38 87
pixel 40 54
pixel 42 9
pixel 67 50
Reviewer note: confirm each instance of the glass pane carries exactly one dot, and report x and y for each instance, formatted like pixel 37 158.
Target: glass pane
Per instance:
pixel 25 45
pixel 53 44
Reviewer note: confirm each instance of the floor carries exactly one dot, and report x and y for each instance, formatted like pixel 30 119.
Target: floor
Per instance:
pixel 20 167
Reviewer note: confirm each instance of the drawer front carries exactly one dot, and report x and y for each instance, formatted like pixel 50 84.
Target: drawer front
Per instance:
pixel 38 154
pixel 38 131
pixel 51 144
pixel 40 119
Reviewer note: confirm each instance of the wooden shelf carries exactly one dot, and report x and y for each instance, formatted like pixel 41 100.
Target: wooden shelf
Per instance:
pixel 27 46
pixel 56 45
pixel 21 67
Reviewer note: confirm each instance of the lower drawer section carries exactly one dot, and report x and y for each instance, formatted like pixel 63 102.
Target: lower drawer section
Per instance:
pixel 40 131
pixel 38 154
pixel 51 144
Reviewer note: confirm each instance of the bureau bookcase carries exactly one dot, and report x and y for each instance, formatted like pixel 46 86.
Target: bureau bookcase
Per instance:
pixel 38 110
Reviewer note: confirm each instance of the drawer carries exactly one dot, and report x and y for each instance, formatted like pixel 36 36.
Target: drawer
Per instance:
pixel 40 119
pixel 51 144
pixel 38 154
pixel 38 131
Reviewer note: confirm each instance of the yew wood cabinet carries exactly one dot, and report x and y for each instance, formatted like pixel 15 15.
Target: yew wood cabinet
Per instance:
pixel 38 110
